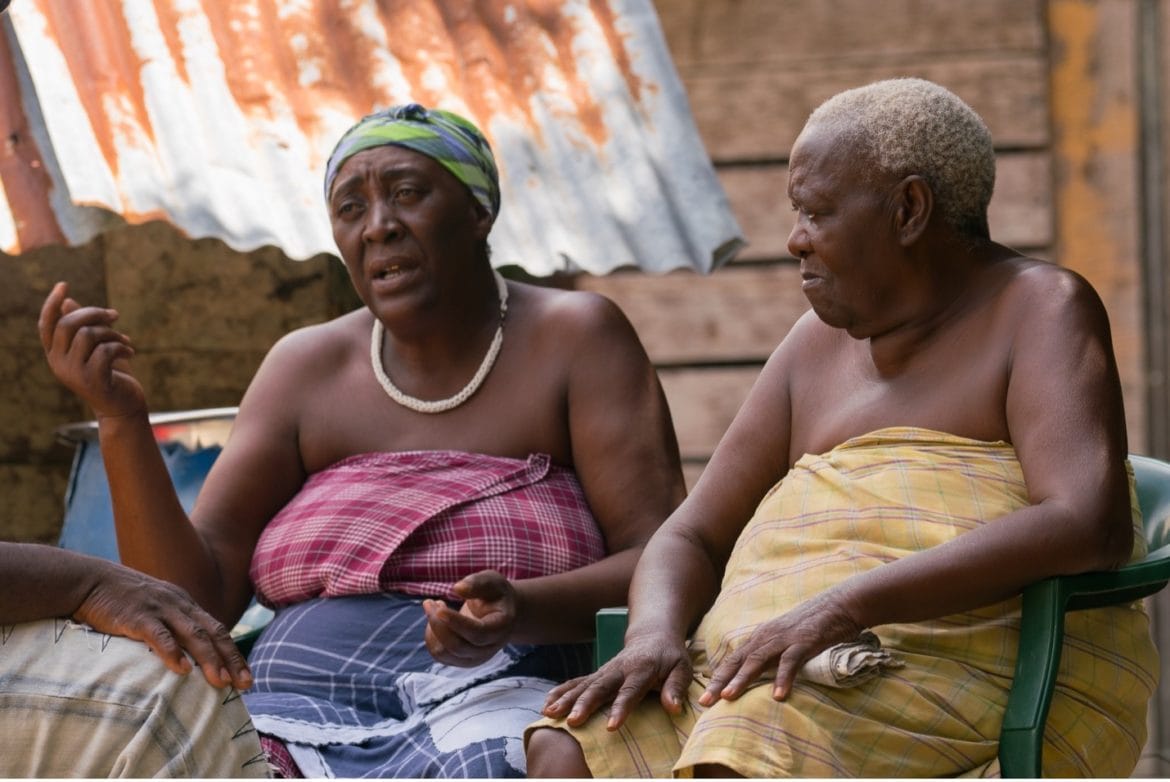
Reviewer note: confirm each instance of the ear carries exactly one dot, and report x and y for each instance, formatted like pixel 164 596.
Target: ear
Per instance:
pixel 914 206
pixel 483 220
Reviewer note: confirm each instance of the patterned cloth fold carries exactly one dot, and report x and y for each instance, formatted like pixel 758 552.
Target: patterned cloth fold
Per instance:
pixel 851 663
pixel 416 522
pixel 76 702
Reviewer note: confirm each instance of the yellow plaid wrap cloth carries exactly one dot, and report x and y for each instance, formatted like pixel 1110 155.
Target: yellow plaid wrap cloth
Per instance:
pixel 873 499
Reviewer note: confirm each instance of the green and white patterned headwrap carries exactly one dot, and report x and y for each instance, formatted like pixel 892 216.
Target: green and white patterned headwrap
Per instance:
pixel 451 140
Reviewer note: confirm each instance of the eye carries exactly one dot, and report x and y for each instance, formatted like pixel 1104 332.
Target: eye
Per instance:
pixel 807 213
pixel 347 208
pixel 407 194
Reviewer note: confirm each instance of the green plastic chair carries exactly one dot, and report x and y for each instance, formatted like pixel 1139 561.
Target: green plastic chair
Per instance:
pixel 1021 738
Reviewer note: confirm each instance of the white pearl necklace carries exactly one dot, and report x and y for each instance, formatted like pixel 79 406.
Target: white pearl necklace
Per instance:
pixel 441 405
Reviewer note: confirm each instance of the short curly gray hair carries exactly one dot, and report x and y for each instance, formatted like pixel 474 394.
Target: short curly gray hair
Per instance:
pixel 914 126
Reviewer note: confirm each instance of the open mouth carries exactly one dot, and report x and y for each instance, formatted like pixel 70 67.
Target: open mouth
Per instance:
pixel 389 271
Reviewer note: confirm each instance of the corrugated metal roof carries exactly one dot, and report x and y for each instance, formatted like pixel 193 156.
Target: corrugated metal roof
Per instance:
pixel 218 115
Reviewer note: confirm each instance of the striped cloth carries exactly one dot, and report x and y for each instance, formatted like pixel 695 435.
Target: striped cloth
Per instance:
pixel 348 686
pixel 342 676
pixel 872 500
pixel 416 522
pixel 76 702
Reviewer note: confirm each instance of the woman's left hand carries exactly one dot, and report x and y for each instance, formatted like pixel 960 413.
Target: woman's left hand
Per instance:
pixel 480 628
pixel 787 642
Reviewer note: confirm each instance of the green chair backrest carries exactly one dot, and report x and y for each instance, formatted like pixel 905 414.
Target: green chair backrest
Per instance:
pixel 1153 491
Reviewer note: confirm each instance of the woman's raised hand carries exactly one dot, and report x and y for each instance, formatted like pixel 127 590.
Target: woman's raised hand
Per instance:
pixel 88 355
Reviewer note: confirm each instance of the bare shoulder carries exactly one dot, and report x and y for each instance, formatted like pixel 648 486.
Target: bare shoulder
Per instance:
pixel 317 351
pixel 328 342
pixel 582 312
pixel 569 320
pixel 810 343
pixel 1043 295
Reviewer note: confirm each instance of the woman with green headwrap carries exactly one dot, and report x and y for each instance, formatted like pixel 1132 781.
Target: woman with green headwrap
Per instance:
pixel 435 492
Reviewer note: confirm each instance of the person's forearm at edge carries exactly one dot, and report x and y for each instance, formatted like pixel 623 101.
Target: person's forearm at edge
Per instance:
pixel 673 586
pixel 979 568
pixel 154 533
pixel 561 608
pixel 42 582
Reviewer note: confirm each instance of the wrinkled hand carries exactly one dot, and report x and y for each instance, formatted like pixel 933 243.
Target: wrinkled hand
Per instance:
pixel 481 626
pixel 88 355
pixel 161 615
pixel 788 642
pixel 644 664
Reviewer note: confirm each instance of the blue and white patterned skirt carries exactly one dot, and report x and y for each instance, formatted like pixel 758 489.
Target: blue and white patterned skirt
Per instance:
pixel 348 685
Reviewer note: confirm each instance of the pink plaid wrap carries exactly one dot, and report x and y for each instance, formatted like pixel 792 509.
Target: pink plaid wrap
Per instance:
pixel 415 522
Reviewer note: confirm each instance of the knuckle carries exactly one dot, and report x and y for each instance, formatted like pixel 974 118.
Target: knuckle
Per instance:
pixel 629 690
pixel 200 633
pixel 757 656
pixel 162 633
pixel 219 630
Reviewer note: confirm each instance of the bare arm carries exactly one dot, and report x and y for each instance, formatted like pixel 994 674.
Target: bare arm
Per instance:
pixel 626 457
pixel 90 357
pixel 42 582
pixel 679 572
pixel 208 558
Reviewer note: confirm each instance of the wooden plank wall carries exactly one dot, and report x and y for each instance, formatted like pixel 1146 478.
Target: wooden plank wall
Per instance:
pixel 753 70
pixel 1156 285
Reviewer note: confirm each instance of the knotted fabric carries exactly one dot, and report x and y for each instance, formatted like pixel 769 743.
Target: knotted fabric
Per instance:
pixel 454 142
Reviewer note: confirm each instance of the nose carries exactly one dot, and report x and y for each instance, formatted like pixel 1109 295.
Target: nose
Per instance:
pixel 381 222
pixel 798 242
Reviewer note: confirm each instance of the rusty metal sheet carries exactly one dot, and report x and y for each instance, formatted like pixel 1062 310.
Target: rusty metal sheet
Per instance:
pixel 218 115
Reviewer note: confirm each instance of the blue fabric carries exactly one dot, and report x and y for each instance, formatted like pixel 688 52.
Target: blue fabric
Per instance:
pixel 349 686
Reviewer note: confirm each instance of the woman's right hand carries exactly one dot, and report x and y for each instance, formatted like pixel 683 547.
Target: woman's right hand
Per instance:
pixel 644 664
pixel 88 355
pixel 125 602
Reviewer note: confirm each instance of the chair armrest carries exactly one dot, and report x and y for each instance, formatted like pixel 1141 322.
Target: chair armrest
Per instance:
pixel 1021 738
pixel 251 624
pixel 245 641
pixel 611 634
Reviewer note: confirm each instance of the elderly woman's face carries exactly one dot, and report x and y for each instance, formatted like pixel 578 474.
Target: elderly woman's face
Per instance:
pixel 843 234
pixel 403 223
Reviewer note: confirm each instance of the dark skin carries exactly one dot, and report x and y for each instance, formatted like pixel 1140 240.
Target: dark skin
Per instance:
pixel 43 582
pixel 571 381
pixel 911 325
